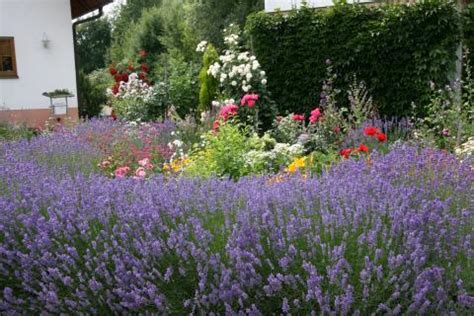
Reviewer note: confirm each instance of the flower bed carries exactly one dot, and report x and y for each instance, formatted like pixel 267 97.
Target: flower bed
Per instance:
pixel 390 236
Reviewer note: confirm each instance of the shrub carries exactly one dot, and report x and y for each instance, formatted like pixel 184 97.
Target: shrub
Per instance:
pixel 208 84
pixel 395 50
pixel 92 93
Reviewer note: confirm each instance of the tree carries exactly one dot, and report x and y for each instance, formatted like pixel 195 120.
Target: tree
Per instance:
pixel 210 17
pixel 92 41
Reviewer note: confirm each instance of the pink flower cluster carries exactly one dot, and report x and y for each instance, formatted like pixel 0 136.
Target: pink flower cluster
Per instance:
pixel 141 172
pixel 249 99
pixel 315 115
pixel 228 111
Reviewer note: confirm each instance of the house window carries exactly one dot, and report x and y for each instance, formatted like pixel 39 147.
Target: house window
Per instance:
pixel 7 58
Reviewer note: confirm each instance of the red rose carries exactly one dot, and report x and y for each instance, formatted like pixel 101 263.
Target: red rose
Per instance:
pixel 142 76
pixel 115 89
pixel 297 117
pixel 118 78
pixel 346 152
pixel 371 131
pixel 363 148
pixel 113 71
pixel 145 68
pixel 381 137
pixel 125 77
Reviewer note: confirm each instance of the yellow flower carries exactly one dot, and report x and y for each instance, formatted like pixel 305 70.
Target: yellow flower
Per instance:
pixel 296 164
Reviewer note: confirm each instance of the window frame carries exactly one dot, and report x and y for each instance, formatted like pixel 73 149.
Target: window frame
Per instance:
pixel 14 73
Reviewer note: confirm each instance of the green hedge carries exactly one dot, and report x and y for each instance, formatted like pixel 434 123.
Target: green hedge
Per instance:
pixel 395 49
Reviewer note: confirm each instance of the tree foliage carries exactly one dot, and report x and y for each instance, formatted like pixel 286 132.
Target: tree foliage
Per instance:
pixel 92 42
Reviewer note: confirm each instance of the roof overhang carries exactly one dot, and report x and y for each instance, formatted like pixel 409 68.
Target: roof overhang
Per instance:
pixel 81 7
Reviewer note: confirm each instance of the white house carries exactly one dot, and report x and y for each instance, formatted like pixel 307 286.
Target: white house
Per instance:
pixel 287 5
pixel 37 56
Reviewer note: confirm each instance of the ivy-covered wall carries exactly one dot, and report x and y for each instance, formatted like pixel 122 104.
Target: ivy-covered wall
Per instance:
pixel 397 50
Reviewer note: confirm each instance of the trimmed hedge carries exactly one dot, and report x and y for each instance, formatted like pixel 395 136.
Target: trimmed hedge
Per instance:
pixel 396 49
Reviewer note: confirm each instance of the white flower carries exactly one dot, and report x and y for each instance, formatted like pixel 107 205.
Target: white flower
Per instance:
pixel 255 65
pixel 245 88
pixel 234 83
pixel 249 76
pixel 215 103
pixel 262 73
pixel 201 47
pixel 264 81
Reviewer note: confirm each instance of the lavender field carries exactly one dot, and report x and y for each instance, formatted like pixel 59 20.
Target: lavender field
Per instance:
pixel 389 236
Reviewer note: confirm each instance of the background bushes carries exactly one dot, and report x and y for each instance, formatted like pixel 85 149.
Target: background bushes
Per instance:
pixel 396 50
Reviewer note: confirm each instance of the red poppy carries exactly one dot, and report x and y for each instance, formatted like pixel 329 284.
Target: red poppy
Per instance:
pixel 346 152
pixel 381 137
pixel 145 68
pixel 363 148
pixel 371 131
pixel 297 117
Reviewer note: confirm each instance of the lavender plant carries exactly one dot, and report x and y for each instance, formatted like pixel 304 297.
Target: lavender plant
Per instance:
pixel 390 237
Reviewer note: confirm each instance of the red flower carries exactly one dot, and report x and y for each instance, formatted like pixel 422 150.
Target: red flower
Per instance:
pixel 118 78
pixel 371 131
pixel 363 148
pixel 130 67
pixel 143 53
pixel 125 77
pixel 381 137
pixel 142 76
pixel 346 152
pixel 297 117
pixel 215 125
pixel 113 71
pixel 115 89
pixel 145 67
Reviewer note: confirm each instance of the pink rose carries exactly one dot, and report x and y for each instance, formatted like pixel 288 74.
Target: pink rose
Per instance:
pixel 141 173
pixel 121 172
pixel 228 111
pixel 249 99
pixel 315 115
pixel 146 163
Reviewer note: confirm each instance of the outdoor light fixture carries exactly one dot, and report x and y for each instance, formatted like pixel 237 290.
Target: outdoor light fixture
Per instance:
pixel 45 41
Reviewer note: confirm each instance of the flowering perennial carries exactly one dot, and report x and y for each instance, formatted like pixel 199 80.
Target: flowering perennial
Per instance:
pixel 393 237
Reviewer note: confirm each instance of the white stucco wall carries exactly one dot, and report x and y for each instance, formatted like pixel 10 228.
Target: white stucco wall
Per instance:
pixel 286 5
pixel 39 69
